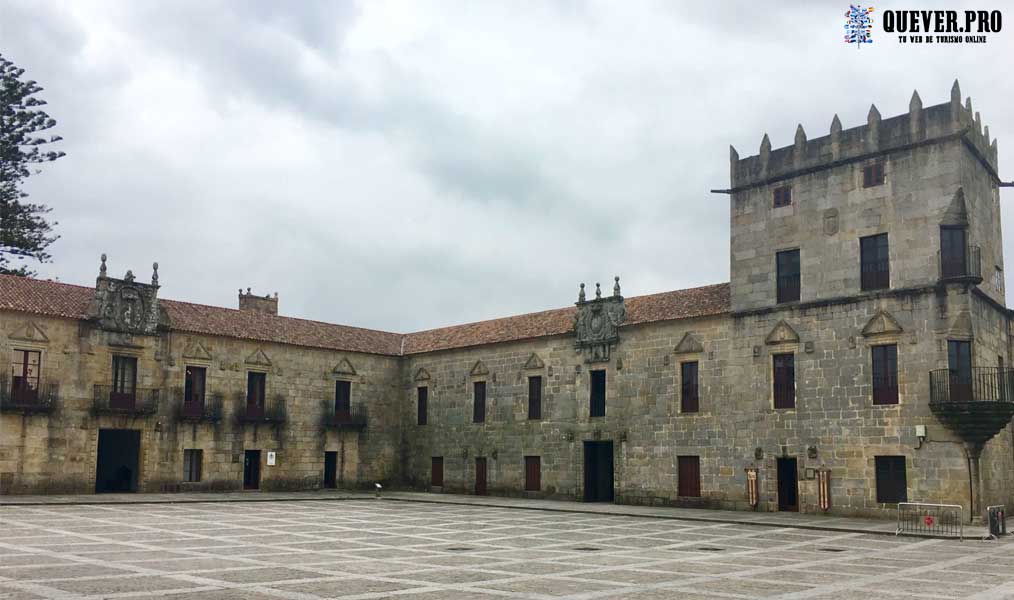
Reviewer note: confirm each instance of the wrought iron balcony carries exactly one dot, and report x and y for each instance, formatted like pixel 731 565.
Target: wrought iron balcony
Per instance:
pixel 354 418
pixel 976 404
pixel 138 402
pixel 271 411
pixel 206 408
pixel 17 397
pixel 961 268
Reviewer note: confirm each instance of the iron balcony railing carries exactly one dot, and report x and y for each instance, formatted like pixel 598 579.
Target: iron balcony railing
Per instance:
pixel 978 384
pixel 271 410
pixel 197 408
pixel 137 402
pixel 955 266
pixel 352 418
pixel 16 396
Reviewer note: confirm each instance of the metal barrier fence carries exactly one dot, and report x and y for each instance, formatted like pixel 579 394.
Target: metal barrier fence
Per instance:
pixel 996 517
pixel 930 519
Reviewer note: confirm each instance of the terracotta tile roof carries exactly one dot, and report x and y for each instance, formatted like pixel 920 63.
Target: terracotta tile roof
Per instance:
pixel 71 301
pixel 665 306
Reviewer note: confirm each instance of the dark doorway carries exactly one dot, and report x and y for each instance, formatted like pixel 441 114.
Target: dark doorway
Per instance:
pixel 480 476
pixel 788 485
pixel 598 471
pixel 116 467
pixel 331 470
pixel 252 470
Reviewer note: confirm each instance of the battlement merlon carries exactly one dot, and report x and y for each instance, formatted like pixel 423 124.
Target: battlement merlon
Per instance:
pixel 919 126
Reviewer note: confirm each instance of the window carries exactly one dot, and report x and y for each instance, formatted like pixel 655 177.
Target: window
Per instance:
pixel 124 375
pixel 255 383
pixel 688 481
pixel 598 394
pixel 998 279
pixel 959 363
pixel 689 401
pixel 533 473
pixel 787 266
pixel 875 266
pixel 785 380
pixel 437 471
pixel 193 390
pixel 25 370
pixel 885 374
pixel 479 402
pixel 873 175
pixel 342 397
pixel 422 399
pixel 892 485
pixel 952 252
pixel 782 196
pixel 192 460
pixel 535 397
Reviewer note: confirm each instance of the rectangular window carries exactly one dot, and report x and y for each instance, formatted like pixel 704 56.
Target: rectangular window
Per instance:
pixel 422 399
pixel 873 175
pixel 437 471
pixel 479 402
pixel 533 473
pixel 598 394
pixel 342 397
pixel 952 252
pixel 782 196
pixel 255 384
pixel 959 363
pixel 998 279
pixel 875 266
pixel 689 401
pixel 193 389
pixel 885 374
pixel 787 267
pixel 688 481
pixel 785 380
pixel 892 484
pixel 26 367
pixel 535 397
pixel 124 377
pixel 192 460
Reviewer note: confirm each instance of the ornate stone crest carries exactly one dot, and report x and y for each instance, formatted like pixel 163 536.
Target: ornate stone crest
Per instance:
pixel 596 324
pixel 124 305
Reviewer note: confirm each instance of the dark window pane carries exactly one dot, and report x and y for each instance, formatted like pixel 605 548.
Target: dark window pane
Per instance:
pixel 885 374
pixel 25 371
pixel 952 252
pixel 787 267
pixel 892 483
pixel 873 175
pixel 479 402
pixel 535 397
pixel 194 385
pixel 689 400
pixel 192 460
pixel 959 363
pixel 875 264
pixel 598 394
pixel 785 380
pixel 342 397
pixel 782 196
pixel 421 407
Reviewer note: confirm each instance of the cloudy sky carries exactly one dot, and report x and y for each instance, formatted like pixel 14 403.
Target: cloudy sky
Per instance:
pixel 407 165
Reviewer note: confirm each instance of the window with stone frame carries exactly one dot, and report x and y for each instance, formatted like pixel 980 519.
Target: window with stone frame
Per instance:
pixel 26 369
pixel 689 398
pixel 998 279
pixel 885 373
pixel 535 397
pixel 873 174
pixel 342 397
pixel 479 402
pixel 875 263
pixel 422 401
pixel 597 406
pixel 784 388
pixel 787 274
pixel 781 196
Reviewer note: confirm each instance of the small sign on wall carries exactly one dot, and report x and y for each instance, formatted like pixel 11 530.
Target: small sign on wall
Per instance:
pixel 271 459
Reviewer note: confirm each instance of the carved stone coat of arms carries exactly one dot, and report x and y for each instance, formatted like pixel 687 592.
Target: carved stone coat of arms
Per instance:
pixel 597 322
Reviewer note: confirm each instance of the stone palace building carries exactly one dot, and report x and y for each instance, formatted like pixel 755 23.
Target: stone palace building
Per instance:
pixel 859 357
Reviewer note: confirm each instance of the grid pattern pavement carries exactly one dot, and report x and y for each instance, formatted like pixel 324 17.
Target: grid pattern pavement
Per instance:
pixel 363 549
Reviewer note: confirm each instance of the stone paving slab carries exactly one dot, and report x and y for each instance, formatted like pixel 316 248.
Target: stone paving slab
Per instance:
pixel 365 549
pixel 769 519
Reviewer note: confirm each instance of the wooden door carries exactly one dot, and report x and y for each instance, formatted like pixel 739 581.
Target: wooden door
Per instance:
pixel 252 470
pixel 330 470
pixel 480 476
pixel 598 471
pixel 688 476
pixel 788 485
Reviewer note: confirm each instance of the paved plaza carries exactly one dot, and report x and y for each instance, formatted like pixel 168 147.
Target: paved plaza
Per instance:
pixel 364 548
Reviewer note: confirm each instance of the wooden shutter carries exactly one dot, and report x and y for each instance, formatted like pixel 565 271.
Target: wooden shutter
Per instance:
pixel 689 476
pixel 535 397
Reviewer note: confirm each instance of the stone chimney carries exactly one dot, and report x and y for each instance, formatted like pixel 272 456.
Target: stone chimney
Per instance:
pixel 263 304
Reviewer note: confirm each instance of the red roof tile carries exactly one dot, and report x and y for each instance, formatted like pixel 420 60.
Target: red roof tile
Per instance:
pixel 71 301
